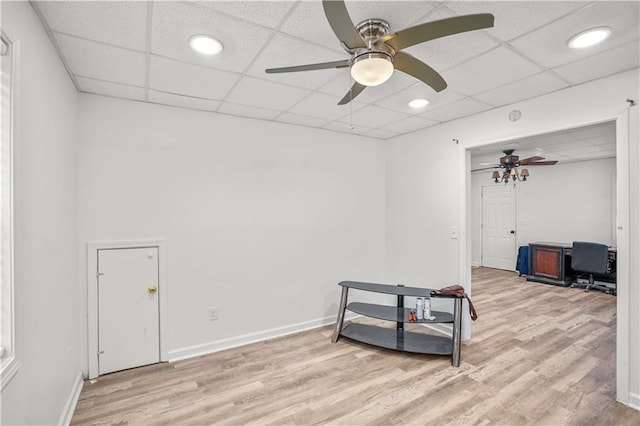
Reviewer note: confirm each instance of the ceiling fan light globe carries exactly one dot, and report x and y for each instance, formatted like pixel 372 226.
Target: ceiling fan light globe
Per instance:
pixel 372 69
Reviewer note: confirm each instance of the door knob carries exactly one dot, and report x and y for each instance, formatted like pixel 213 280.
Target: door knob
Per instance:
pixel 152 289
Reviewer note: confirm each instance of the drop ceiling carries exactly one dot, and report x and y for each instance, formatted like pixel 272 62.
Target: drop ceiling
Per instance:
pixel 140 51
pixel 593 142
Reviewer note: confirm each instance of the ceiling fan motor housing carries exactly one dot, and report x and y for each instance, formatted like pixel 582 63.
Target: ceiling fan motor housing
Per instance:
pixel 371 31
pixel 509 160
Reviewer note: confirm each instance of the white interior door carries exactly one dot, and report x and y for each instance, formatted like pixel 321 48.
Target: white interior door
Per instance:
pixel 498 227
pixel 128 314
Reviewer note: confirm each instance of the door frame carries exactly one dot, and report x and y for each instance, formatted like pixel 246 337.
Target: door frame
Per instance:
pixel 624 198
pixel 515 224
pixel 92 294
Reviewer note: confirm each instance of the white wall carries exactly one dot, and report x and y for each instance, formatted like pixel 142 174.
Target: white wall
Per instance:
pixel 261 219
pixel 45 214
pixel 562 203
pixel 427 180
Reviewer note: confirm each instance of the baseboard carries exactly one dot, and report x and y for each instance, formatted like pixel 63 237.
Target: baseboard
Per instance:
pixel 634 400
pixel 475 264
pixel 72 400
pixel 220 345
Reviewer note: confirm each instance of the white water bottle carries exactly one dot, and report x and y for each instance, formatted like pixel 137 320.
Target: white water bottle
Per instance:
pixel 420 308
pixel 427 308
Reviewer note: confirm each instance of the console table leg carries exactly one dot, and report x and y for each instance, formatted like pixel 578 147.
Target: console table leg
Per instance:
pixel 340 320
pixel 457 331
pixel 400 324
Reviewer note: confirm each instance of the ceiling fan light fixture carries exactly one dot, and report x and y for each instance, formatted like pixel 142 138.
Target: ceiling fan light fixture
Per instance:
pixel 418 103
pixel 372 69
pixel 589 37
pixel 205 45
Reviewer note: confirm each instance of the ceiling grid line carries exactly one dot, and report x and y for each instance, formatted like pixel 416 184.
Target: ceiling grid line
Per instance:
pixel 147 59
pixel 274 31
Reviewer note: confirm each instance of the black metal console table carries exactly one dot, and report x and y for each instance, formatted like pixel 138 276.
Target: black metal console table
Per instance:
pixel 399 339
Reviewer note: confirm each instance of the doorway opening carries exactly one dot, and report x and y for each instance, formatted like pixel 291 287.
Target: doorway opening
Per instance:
pixel 618 229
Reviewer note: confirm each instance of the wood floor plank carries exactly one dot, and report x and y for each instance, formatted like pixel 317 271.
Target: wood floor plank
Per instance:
pixel 540 355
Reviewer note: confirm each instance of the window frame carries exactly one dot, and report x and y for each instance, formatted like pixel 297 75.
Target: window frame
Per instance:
pixel 9 364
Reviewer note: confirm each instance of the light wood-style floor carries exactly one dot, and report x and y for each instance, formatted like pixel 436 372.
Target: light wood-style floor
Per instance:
pixel 540 355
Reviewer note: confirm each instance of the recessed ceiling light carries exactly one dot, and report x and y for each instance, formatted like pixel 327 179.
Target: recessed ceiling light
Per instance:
pixel 589 37
pixel 205 44
pixel 418 103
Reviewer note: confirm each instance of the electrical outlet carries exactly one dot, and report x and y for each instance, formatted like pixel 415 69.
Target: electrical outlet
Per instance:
pixel 213 313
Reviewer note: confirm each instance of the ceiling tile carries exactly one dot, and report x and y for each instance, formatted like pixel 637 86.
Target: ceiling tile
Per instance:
pixel 302 120
pixel 399 14
pixel 267 13
pixel 324 106
pixel 576 151
pixel 355 129
pixel 461 108
pixel 606 130
pixel 110 89
pixel 606 142
pixel 184 79
pixel 373 117
pixel 548 45
pixel 182 101
pixel 620 59
pixel 102 62
pixel 284 51
pixel 400 100
pixel 490 70
pixel 309 22
pixel 340 85
pixel 526 88
pixel 514 18
pixel 120 23
pixel 247 111
pixel 410 124
pixel 446 52
pixel 265 94
pixel 174 23
pixel 381 134
pixel 563 146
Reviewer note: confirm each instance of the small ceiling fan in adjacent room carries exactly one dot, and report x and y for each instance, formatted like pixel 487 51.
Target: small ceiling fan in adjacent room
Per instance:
pixel 376 52
pixel 509 165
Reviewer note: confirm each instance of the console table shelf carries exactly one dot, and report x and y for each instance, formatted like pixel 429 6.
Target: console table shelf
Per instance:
pixel 393 313
pixel 397 338
pixel 406 341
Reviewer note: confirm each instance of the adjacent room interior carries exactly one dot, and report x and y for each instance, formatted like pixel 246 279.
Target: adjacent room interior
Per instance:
pixel 241 198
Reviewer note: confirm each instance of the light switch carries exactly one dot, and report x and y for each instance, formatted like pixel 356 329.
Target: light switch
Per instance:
pixel 454 232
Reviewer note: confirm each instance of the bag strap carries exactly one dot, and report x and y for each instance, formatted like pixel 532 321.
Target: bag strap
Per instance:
pixel 472 310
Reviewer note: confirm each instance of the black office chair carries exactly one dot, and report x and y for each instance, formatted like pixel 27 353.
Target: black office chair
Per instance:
pixel 590 258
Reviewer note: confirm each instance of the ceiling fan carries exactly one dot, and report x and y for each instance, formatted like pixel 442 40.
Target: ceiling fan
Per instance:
pixel 376 52
pixel 510 161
